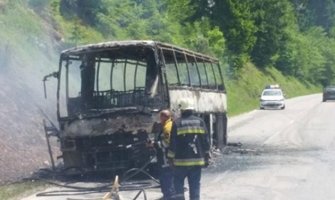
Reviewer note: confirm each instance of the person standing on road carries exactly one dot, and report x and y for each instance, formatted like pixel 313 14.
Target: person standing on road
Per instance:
pixel 161 145
pixel 189 151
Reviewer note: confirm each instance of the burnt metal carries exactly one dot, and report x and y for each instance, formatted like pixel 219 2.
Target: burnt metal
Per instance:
pixel 107 129
pixel 118 151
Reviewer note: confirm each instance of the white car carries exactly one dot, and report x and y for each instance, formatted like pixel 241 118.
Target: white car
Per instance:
pixel 272 98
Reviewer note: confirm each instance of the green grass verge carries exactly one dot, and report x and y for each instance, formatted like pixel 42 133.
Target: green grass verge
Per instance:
pixel 244 91
pixel 16 191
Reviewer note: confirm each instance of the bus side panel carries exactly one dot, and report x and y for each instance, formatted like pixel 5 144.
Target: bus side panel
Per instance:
pixel 203 101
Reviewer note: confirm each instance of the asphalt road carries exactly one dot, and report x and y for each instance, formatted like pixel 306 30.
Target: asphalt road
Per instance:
pixel 274 155
pixel 285 154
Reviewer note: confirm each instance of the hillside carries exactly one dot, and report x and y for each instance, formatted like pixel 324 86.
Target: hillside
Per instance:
pixel 26 54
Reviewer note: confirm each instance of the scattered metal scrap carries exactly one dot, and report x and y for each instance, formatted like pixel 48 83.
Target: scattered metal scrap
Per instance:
pixel 237 148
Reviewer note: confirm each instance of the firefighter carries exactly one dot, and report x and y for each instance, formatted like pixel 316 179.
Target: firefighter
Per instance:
pixel 189 151
pixel 161 145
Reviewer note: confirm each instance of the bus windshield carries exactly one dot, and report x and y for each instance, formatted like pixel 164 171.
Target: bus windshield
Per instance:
pixel 110 79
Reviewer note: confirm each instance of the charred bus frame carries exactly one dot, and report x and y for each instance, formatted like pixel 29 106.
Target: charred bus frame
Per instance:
pixel 109 94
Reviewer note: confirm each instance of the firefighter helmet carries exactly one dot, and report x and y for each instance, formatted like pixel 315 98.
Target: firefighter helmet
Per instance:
pixel 186 105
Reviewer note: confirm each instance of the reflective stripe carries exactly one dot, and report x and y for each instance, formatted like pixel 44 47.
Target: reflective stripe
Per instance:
pixel 189 162
pixel 190 126
pixel 190 122
pixel 170 154
pixel 189 130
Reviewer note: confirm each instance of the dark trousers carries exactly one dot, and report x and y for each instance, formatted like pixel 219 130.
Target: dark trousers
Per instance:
pixel 166 182
pixel 193 175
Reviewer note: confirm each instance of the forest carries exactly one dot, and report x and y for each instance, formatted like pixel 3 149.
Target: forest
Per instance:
pixel 297 37
pixel 259 42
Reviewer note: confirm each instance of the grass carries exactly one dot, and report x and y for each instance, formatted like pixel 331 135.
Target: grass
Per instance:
pixel 243 92
pixel 19 190
pixel 73 30
pixel 25 36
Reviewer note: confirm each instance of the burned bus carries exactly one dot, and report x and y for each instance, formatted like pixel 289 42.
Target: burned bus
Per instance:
pixel 109 95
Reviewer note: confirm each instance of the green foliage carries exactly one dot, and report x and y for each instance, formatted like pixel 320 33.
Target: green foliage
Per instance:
pixel 18 190
pixel 327 70
pixel 243 92
pixel 73 29
pixel 235 18
pixel 180 10
pixel 285 34
pixel 124 19
pixel 309 56
pixel 86 10
pixel 39 4
pixel 315 13
pixel 272 19
pixel 203 38
pixel 15 17
pixel 266 31
pixel 76 34
pixel 216 41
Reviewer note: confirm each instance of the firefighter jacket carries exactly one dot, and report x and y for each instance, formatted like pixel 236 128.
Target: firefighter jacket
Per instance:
pixel 162 143
pixel 189 142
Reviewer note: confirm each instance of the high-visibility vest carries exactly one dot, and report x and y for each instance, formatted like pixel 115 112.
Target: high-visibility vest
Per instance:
pixel 163 141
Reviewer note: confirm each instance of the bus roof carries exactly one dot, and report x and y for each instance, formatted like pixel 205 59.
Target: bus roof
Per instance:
pixel 139 43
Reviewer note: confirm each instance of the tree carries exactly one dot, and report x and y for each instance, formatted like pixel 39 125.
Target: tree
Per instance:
pixel 303 55
pixel 86 10
pixel 273 19
pixel 202 37
pixel 201 8
pixel 315 13
pixel 235 19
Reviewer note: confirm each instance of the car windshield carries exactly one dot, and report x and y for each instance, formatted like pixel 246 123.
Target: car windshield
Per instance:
pixel 330 88
pixel 272 93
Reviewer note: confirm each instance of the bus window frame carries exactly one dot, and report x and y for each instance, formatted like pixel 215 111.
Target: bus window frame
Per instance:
pixel 215 79
pixel 124 75
pixel 111 74
pixel 164 80
pixel 187 69
pixel 208 64
pixel 196 65
pixel 203 63
pixel 175 63
pixel 97 74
